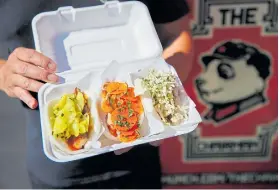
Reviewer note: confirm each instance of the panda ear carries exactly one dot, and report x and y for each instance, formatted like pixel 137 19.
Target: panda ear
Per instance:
pixel 251 50
pixel 262 63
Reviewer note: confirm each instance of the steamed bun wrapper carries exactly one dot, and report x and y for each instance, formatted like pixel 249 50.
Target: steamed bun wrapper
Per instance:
pixel 181 99
pixel 59 147
pixel 116 72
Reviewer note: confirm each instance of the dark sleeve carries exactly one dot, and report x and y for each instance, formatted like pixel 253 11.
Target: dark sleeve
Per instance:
pixel 164 11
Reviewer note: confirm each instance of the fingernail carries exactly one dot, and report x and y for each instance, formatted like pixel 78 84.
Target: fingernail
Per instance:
pixel 122 151
pixel 156 143
pixel 61 79
pixel 52 78
pixel 117 153
pixel 32 104
pixel 52 66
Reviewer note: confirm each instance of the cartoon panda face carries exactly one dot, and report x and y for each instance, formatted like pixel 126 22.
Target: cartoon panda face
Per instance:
pixel 226 81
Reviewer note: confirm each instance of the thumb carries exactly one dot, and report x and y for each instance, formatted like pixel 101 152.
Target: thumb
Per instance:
pixel 121 151
pixel 156 143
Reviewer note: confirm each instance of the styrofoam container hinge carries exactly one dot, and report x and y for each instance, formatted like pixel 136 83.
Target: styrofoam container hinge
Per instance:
pixel 113 7
pixel 62 10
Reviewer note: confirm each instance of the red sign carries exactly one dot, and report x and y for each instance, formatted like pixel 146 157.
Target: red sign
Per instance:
pixel 235 87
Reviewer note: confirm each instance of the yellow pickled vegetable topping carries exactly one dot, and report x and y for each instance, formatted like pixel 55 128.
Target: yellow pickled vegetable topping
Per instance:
pixel 69 117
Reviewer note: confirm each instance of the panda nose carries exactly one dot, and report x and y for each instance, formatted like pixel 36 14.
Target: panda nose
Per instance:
pixel 200 81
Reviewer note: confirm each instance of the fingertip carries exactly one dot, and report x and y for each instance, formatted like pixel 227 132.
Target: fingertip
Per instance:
pixel 52 67
pixel 61 80
pixel 53 78
pixel 122 151
pixel 156 143
pixel 33 104
pixel 26 97
pixel 117 153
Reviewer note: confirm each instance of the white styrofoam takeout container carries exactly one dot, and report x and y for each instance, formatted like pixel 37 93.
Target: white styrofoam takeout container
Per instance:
pixel 85 41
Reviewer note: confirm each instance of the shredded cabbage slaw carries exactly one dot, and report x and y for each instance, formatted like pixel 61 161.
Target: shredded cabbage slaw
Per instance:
pixel 162 87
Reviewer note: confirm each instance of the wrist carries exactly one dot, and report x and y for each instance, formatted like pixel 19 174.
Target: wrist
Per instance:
pixel 182 44
pixel 2 62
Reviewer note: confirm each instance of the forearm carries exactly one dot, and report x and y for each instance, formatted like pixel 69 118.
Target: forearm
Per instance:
pixel 180 55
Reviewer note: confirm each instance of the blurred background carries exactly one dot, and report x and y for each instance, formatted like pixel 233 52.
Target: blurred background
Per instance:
pixel 12 144
pixel 236 145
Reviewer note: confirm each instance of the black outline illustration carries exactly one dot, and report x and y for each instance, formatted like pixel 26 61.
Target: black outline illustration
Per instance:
pixel 243 106
pixel 203 20
pixel 254 148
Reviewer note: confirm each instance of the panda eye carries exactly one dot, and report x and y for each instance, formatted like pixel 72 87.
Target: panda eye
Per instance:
pixel 226 71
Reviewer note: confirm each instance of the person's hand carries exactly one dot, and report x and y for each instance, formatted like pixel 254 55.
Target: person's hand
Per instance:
pixel 22 72
pixel 124 150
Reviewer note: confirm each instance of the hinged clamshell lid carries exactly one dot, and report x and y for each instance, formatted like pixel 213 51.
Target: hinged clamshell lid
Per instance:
pixel 95 36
